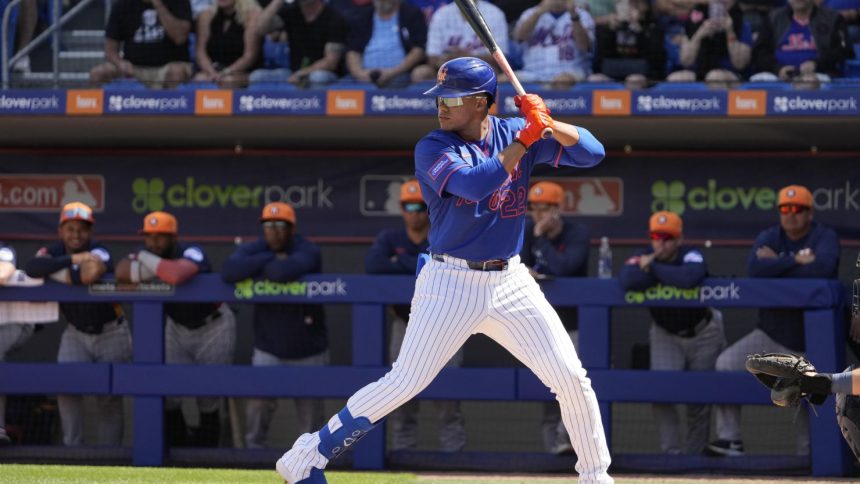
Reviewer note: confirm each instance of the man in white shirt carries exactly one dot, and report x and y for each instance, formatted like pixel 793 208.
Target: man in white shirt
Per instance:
pixel 449 36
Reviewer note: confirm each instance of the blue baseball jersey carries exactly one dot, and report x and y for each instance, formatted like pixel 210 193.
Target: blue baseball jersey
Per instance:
pixel 477 210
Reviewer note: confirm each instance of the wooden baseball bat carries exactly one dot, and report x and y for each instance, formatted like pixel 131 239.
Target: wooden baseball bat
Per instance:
pixel 479 25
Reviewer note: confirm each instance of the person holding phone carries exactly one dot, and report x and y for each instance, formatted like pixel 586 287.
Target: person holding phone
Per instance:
pixel 801 40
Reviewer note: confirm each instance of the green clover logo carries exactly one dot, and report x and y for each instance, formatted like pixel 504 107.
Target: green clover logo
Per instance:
pixel 244 289
pixel 147 195
pixel 668 196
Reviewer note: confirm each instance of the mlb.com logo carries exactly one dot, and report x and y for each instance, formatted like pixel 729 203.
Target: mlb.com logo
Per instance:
pixel 379 195
pixel 591 196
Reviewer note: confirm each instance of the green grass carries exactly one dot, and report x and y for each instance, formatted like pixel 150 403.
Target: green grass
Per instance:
pixel 54 474
pixel 60 474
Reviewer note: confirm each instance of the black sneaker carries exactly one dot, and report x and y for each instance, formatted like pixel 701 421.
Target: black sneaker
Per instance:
pixel 728 448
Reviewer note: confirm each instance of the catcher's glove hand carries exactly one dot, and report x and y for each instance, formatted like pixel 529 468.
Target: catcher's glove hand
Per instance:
pixel 789 378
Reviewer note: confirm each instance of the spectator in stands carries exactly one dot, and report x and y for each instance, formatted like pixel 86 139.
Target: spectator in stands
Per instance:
pixel 718 44
pixel 97 332
pixel 385 44
pixel 316 33
pixel 395 251
pixel 554 247
pixel 796 248
pixel 195 333
pixel 680 338
pixel 672 15
pixel 801 39
pixel 284 334
pixel 430 7
pixel 152 36
pixel 449 36
pixel 25 29
pixel 629 46
pixel 228 46
pixel 17 319
pixel 557 38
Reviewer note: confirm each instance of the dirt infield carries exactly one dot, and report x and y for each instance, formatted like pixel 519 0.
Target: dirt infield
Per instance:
pixel 619 479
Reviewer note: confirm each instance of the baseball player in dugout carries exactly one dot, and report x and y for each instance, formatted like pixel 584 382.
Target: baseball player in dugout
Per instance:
pixel 798 247
pixel 554 247
pixel 680 338
pixel 17 320
pixel 194 333
pixel 474 175
pixel 284 334
pixel 396 251
pixel 97 332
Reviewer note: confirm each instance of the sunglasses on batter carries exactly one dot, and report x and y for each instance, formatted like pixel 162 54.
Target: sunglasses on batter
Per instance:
pixel 414 207
pixel 275 224
pixel 795 209
pixel 451 102
pixel 661 236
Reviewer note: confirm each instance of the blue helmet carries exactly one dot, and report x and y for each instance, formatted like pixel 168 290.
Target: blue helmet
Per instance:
pixel 464 76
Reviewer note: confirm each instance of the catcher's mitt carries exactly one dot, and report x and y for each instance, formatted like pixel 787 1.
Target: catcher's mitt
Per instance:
pixel 789 378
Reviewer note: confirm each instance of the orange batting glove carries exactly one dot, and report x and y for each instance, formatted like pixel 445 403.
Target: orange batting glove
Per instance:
pixel 530 102
pixel 536 122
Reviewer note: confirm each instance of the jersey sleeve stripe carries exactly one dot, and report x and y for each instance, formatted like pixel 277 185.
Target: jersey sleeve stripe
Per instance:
pixel 558 155
pixel 445 181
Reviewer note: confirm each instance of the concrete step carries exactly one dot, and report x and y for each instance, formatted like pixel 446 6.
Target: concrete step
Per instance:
pixel 74 40
pixel 80 60
pixel 46 80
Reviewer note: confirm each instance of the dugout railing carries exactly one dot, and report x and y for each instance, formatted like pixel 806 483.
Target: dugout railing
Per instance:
pixel 148 380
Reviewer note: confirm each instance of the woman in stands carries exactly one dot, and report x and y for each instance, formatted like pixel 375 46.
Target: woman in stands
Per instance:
pixel 228 47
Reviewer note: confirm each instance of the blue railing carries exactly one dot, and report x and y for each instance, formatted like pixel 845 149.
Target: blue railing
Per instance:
pixel 148 380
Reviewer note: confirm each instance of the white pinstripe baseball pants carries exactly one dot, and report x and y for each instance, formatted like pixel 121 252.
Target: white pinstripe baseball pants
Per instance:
pixel 453 302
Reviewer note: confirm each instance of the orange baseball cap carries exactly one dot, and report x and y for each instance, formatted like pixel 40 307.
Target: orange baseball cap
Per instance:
pixel 546 192
pixel 666 223
pixel 159 223
pixel 76 211
pixel 278 211
pixel 795 195
pixel 410 192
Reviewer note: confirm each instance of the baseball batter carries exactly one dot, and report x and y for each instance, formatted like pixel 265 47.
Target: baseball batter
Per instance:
pixel 474 175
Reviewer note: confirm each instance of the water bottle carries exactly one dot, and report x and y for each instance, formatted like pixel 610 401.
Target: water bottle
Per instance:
pixel 604 259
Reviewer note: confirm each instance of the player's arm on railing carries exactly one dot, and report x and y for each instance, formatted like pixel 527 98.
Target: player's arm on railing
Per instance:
pixel 690 273
pixel 304 259
pixel 574 255
pixel 247 261
pixel 381 258
pixel 633 277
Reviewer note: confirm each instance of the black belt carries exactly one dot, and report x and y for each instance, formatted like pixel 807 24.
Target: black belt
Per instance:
pixel 201 322
pixel 96 328
pixel 698 327
pixel 485 265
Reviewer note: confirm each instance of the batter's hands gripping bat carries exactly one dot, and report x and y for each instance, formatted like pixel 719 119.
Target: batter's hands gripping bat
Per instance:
pixel 479 25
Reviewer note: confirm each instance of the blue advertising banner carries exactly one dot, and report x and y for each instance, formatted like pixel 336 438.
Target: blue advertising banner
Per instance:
pixel 356 194
pixel 400 103
pixel 279 102
pixel 29 101
pixel 814 103
pixel 690 103
pixel 149 102
pixel 568 103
